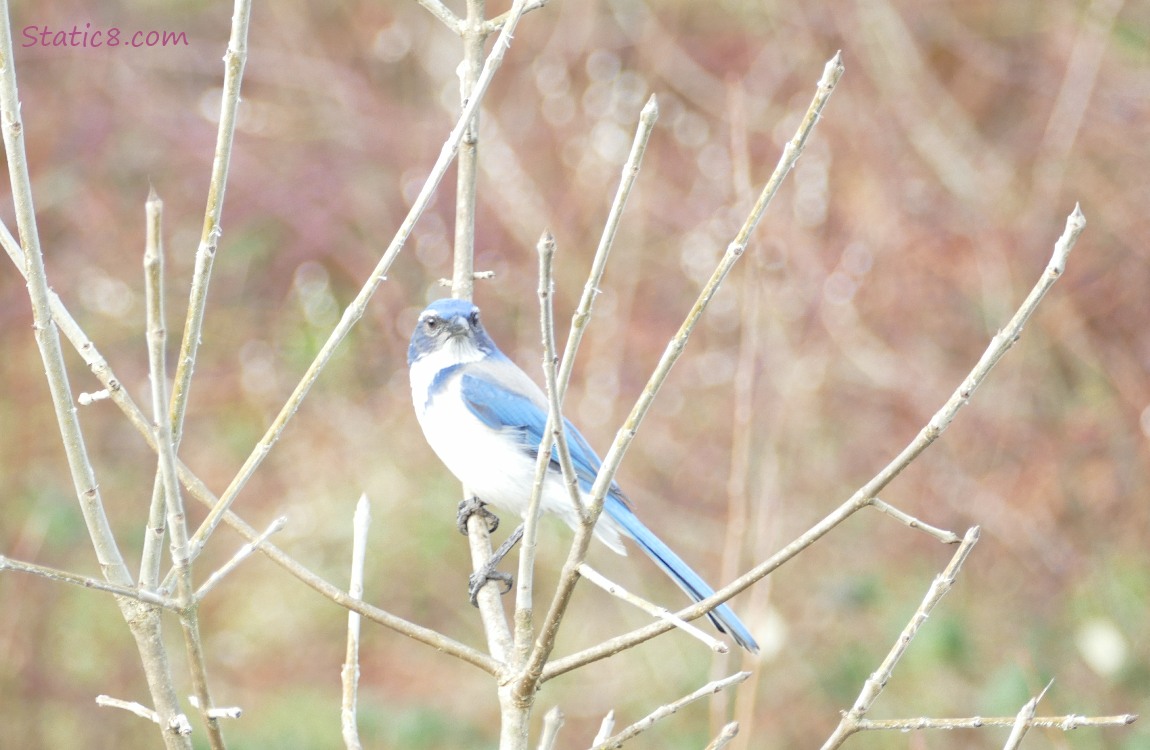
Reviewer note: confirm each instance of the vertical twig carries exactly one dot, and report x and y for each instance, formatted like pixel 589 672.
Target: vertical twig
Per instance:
pixel 234 61
pixel 350 672
pixel 157 336
pixel 647 117
pixel 474 32
pixel 143 620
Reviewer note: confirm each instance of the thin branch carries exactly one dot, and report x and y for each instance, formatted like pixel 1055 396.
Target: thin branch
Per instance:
pixel 62 576
pixel 222 712
pixel 606 727
pixel 525 580
pixel 234 61
pixel 582 316
pixel 831 74
pixel 724 737
pixel 1063 723
pixel 499 21
pixel 1023 719
pixel 444 14
pixel 999 345
pixel 664 711
pixel 942 535
pixel 586 571
pixel 47 336
pixel 200 491
pixel 178 724
pixel 157 338
pixel 241 554
pixel 350 673
pixel 878 679
pixel 552 723
pixel 355 310
pixel 557 383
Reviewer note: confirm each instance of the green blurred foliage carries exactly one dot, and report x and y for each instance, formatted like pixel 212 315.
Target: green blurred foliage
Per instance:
pixel 922 211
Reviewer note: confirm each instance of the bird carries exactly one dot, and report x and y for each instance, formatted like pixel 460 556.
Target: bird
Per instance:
pixel 484 417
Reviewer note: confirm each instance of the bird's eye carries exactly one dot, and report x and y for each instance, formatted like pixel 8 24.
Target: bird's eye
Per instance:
pixel 474 318
pixel 432 324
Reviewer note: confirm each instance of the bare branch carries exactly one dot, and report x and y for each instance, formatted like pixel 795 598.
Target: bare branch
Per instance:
pixel 552 723
pixel 831 74
pixel 1023 719
pixel 355 310
pixel 241 554
pixel 444 14
pixel 234 61
pixel 1063 723
pixel 350 674
pixel 586 571
pixel 582 316
pixel 999 345
pixel 61 576
pixel 878 679
pixel 664 711
pixel 724 737
pixel 942 535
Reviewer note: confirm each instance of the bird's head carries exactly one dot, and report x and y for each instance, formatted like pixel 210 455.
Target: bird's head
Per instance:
pixel 452 325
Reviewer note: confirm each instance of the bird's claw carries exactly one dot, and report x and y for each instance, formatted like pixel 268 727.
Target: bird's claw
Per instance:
pixel 470 507
pixel 479 579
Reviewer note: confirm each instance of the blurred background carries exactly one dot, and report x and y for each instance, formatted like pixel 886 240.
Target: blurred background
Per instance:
pixel 922 212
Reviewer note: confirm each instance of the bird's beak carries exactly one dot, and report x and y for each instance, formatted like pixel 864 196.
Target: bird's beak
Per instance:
pixel 458 326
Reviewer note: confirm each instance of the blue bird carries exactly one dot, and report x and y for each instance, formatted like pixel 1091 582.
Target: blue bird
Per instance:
pixel 484 418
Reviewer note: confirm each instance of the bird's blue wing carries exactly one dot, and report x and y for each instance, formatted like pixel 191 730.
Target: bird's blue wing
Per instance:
pixel 504 398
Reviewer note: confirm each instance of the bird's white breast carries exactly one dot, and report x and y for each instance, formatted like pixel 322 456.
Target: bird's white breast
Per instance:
pixel 491 464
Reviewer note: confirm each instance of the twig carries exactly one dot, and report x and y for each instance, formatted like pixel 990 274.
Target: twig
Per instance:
pixel 178 723
pixel 47 337
pixel 350 674
pixel 552 723
pixel 234 61
pixel 526 574
pixel 664 711
pixel 586 571
pixel 831 74
pixel 999 345
pixel 582 316
pixel 197 489
pixel 173 501
pixel 875 683
pixel 356 308
pixel 1023 719
pixel 142 620
pixel 724 737
pixel 942 535
pixel 241 554
pixel 444 14
pixel 223 712
pixel 1064 723
pixel 557 383
pixel 52 574
pixel 496 23
pixel 605 728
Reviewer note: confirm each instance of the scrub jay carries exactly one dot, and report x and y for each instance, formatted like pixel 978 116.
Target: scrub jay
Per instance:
pixel 484 418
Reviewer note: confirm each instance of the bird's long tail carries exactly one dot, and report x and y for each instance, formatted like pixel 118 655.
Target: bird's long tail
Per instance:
pixel 681 573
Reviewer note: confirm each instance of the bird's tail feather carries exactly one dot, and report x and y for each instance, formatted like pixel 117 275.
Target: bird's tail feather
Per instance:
pixel 681 573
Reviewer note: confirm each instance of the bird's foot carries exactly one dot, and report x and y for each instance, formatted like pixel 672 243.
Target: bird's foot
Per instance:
pixel 479 579
pixel 470 507
pixel 487 572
